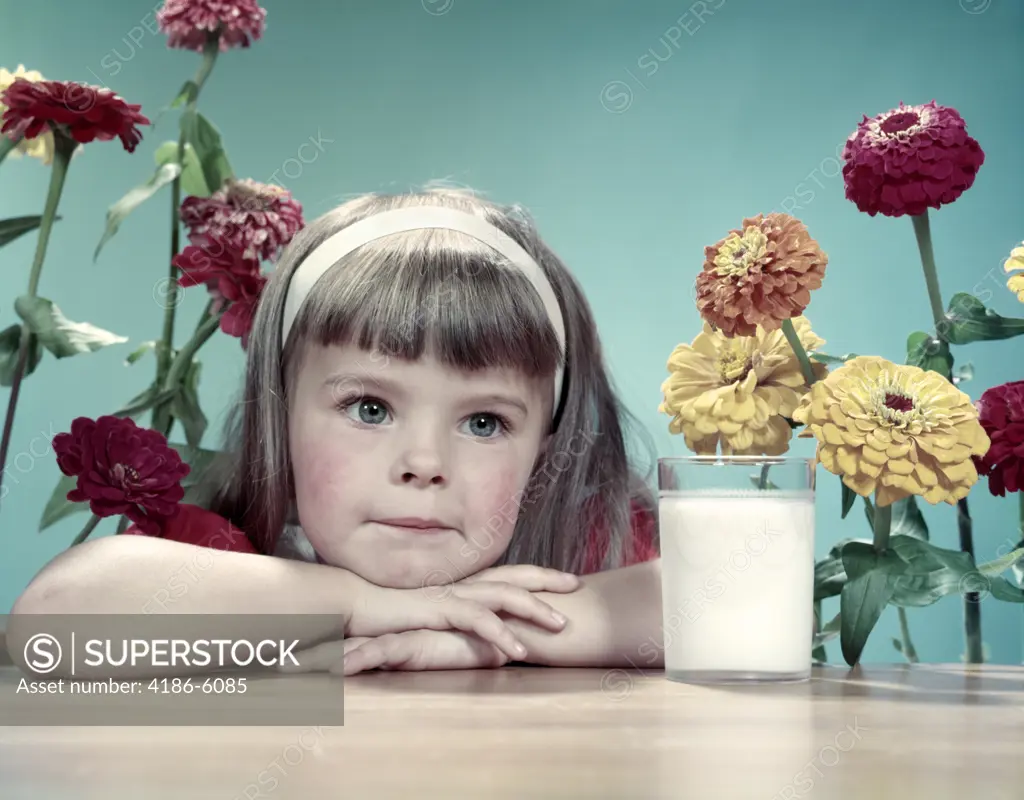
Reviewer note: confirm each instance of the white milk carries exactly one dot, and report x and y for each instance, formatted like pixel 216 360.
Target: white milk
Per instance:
pixel 737 584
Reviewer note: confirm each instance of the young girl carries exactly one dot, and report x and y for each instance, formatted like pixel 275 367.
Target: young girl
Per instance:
pixel 430 444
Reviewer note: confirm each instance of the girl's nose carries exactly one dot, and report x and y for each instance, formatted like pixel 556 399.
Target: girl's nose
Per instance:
pixel 421 466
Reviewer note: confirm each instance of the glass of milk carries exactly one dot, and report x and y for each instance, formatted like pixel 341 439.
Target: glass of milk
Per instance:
pixel 737 559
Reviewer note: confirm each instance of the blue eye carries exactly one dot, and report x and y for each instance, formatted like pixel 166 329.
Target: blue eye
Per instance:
pixel 484 425
pixel 367 410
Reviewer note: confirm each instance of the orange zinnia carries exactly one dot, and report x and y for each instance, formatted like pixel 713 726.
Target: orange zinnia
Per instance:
pixel 761 274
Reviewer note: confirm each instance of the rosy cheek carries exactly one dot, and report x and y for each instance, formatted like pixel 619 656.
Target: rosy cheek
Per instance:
pixel 320 472
pixel 492 501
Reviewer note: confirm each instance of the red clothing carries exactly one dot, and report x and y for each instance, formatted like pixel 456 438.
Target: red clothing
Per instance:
pixel 195 525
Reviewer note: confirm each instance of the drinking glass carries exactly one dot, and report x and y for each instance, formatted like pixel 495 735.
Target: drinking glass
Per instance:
pixel 737 550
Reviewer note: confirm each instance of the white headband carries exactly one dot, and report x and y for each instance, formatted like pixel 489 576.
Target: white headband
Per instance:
pixel 399 220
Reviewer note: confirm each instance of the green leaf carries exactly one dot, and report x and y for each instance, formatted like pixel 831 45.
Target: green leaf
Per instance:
pixel 185 406
pixel 192 180
pixel 964 374
pixel 57 333
pixel 11 229
pixel 829 632
pixel 849 498
pixel 871 583
pixel 10 341
pixel 144 401
pixel 117 213
pixel 140 351
pixel 58 506
pixel 205 138
pixel 1002 564
pixel 907 519
pixel 1002 589
pixel 825 358
pixel 967 320
pixel 829 573
pixel 933 572
pixel 187 93
pixel 929 353
pixel 897 644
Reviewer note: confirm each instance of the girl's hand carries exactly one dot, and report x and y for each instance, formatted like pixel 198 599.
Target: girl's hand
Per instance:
pixel 472 606
pixel 408 651
pixel 533 579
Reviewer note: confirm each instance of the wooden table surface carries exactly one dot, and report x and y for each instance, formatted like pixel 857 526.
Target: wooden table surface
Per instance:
pixel 879 732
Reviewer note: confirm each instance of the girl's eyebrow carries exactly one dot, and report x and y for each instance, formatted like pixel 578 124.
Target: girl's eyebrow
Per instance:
pixel 399 389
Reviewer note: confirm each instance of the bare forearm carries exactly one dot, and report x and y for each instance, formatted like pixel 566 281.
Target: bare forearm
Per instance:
pixel 614 621
pixel 137 575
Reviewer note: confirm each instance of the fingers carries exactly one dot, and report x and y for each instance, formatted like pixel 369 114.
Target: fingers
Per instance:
pixel 533 579
pixel 323 656
pixel 420 650
pixel 514 601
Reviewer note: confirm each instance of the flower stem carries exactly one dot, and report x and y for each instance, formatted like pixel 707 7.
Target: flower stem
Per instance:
pixel 62 157
pixel 972 606
pixel 922 229
pixel 972 600
pixel 183 359
pixel 162 418
pixel 7 145
pixel 798 351
pixel 883 519
pixel 90 526
pixel 908 646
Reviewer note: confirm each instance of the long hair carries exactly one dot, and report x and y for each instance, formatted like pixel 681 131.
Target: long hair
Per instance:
pixel 443 291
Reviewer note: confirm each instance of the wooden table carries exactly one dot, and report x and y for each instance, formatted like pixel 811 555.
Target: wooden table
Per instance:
pixel 881 732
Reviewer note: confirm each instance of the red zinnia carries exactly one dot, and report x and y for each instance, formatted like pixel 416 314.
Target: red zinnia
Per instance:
pixel 78 110
pixel 122 469
pixel 187 22
pixel 910 159
pixel 1001 413
pixel 256 219
pixel 233 279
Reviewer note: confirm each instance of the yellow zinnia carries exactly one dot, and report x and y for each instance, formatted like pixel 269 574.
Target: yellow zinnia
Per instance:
pixel 736 392
pixel 894 430
pixel 41 146
pixel 1015 263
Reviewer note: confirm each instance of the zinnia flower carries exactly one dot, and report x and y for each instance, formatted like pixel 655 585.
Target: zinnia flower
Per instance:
pixel 41 146
pixel 760 274
pixel 736 392
pixel 1002 417
pixel 122 469
pixel 233 279
pixel 1015 263
pixel 910 159
pixel 187 22
pixel 256 219
pixel 894 430
pixel 77 110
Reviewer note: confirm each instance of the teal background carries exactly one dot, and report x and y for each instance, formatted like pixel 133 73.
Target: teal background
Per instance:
pixel 636 132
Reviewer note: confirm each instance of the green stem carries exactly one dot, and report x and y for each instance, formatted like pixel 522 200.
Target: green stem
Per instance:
pixel 908 646
pixel 762 483
pixel 7 145
pixel 90 526
pixel 798 350
pixel 922 230
pixel 61 159
pixel 972 600
pixel 162 418
pixel 819 653
pixel 183 359
pixel 883 519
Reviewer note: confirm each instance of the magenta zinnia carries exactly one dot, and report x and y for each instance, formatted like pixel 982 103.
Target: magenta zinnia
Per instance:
pixel 256 219
pixel 1001 410
pixel 82 112
pixel 122 469
pixel 187 23
pixel 910 159
pixel 233 279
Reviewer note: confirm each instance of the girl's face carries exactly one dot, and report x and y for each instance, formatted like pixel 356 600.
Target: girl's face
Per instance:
pixel 408 473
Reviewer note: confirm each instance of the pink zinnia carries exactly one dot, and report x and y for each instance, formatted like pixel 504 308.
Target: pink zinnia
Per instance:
pixel 242 293
pixel 78 110
pixel 910 159
pixel 257 219
pixel 122 469
pixel 188 22
pixel 1001 414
